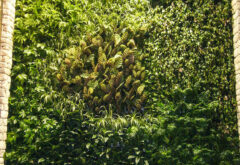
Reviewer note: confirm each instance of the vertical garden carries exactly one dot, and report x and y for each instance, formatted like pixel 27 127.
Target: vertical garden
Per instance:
pixel 123 82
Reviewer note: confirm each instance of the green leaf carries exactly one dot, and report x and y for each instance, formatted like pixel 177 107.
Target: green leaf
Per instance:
pixel 21 77
pixel 166 140
pixel 146 162
pixel 90 91
pixel 137 159
pixel 93 84
pixel 118 61
pixel 47 98
pixel 131 157
pixel 117 39
pixel 85 75
pixel 41 160
pixel 107 97
pixel 140 89
pixel 88 145
pixel 91 58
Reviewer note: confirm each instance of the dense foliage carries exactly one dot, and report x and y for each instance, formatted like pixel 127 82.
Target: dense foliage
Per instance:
pixel 189 116
pixel 106 69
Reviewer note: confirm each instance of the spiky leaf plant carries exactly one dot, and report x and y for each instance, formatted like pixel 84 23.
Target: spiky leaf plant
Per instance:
pixel 106 68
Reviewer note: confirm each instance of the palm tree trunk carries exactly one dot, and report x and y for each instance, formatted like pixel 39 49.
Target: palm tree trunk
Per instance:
pixel 6 44
pixel 236 40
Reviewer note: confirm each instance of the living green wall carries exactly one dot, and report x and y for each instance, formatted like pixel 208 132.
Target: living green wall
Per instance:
pixel 188 118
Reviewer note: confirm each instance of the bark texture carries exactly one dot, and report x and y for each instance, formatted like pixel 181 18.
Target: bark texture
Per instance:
pixel 236 40
pixel 6 44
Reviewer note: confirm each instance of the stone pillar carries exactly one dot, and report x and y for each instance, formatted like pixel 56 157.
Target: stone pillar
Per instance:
pixel 236 41
pixel 6 44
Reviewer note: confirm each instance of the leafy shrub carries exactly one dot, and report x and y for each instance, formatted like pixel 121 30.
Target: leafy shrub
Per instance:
pixel 106 69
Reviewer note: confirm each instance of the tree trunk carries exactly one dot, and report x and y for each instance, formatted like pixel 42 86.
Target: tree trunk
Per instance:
pixel 236 42
pixel 6 44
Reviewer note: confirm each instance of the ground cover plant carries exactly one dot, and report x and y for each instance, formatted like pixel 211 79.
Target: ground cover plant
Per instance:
pixel 181 56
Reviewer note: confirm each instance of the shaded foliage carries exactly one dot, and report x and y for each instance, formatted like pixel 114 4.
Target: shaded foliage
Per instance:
pixel 194 48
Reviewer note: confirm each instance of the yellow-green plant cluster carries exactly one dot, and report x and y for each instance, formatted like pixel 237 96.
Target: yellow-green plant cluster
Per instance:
pixel 106 68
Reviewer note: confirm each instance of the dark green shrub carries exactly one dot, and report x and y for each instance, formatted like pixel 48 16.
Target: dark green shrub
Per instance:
pixel 193 46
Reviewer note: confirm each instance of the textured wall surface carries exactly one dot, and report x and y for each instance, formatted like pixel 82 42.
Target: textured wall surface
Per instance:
pixel 8 15
pixel 236 40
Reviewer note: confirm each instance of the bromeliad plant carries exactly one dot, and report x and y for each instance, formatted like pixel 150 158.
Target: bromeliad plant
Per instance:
pixel 106 68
